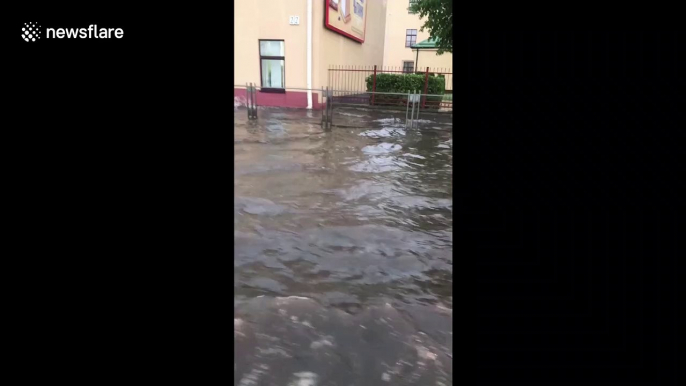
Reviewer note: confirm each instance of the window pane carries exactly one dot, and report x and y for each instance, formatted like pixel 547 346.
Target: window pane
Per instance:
pixel 271 48
pixel 273 73
pixel 408 8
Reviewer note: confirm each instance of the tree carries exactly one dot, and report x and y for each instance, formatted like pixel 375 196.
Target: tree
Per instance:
pixel 439 21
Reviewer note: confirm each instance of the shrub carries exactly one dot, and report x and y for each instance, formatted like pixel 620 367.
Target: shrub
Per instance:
pixel 403 83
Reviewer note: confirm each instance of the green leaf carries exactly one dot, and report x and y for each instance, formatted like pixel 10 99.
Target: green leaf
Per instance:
pixel 439 21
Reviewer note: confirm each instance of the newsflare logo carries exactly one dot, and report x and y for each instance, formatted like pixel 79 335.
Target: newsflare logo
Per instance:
pixel 32 32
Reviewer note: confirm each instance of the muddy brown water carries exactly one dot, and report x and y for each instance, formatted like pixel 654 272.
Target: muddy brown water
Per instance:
pixel 343 249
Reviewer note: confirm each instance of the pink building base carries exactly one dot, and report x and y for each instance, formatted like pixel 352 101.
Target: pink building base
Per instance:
pixel 291 99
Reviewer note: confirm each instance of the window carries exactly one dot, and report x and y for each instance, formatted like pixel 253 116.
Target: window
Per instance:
pixel 410 37
pixel 408 8
pixel 272 65
pixel 408 67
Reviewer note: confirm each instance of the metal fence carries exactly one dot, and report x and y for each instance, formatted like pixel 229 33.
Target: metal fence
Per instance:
pixel 329 100
pixel 359 80
pixel 411 104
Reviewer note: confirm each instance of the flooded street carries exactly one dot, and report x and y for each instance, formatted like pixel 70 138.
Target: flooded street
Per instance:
pixel 343 249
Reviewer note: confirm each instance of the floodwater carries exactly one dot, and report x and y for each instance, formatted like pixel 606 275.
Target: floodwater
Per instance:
pixel 343 249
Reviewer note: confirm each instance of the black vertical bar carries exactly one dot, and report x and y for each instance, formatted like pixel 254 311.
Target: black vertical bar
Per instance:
pixel 347 87
pixel 357 77
pixel 414 105
pixel 328 100
pixel 247 98
pixel 353 80
pixel 407 108
pixel 323 101
pixel 254 100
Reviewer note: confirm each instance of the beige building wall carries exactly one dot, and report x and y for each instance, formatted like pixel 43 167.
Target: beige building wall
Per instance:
pixel 269 19
pixel 265 19
pixel 398 21
pixel 428 58
pixel 331 49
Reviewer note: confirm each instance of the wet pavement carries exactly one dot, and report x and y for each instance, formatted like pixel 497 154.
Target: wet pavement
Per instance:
pixel 343 249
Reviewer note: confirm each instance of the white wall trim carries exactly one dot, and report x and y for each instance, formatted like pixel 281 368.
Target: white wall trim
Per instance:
pixel 309 54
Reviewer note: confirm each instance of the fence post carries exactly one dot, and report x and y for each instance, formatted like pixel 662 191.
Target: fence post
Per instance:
pixel 254 101
pixel 331 109
pixel 426 86
pixel 407 108
pixel 247 99
pixel 374 86
pixel 328 107
pixel 414 102
pixel 321 105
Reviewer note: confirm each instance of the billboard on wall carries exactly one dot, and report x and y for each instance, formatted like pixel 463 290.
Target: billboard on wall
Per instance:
pixel 346 17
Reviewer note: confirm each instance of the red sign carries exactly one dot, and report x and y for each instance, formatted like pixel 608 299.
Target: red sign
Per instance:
pixel 347 17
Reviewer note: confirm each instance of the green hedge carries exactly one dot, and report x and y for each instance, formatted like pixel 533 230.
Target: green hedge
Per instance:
pixel 402 83
pixel 406 82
